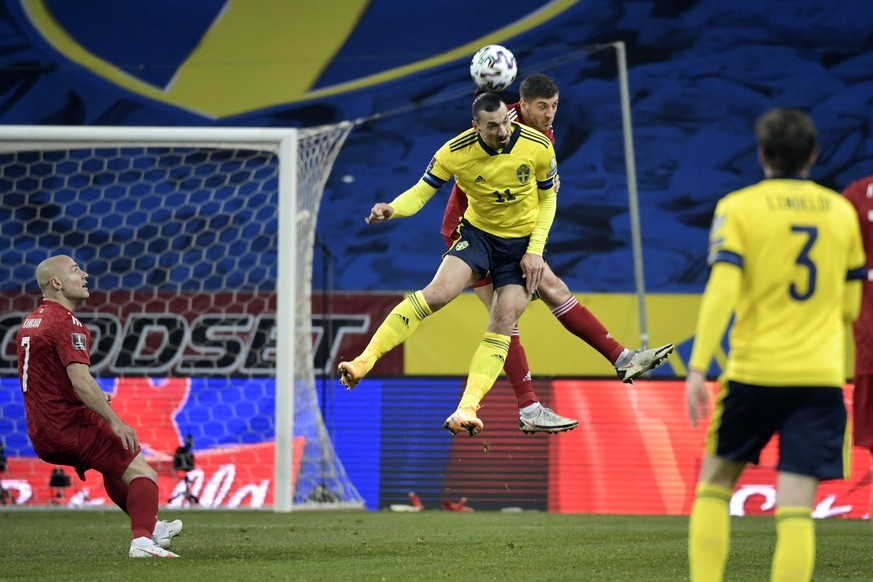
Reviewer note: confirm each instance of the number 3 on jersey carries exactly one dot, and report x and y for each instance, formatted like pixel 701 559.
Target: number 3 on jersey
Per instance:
pixel 804 261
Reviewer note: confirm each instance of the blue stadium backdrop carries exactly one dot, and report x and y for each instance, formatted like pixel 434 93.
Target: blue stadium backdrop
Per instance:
pixel 700 73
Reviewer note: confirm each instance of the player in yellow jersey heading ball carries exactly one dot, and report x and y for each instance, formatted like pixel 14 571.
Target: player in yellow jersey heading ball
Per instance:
pixel 787 258
pixel 508 171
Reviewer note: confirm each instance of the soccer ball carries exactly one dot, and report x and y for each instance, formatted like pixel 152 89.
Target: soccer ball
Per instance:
pixel 493 68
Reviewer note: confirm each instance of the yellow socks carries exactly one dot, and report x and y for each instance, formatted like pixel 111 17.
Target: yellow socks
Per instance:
pixel 709 533
pixel 485 367
pixel 794 558
pixel 709 538
pixel 397 327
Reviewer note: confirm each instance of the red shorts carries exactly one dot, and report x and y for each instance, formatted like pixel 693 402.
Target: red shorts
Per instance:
pixel 96 448
pixel 862 413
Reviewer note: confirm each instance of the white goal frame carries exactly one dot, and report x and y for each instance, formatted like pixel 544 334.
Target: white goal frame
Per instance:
pixel 284 143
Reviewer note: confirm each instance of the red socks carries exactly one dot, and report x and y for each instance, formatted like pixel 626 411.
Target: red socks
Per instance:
pixel 117 491
pixel 578 321
pixel 142 506
pixel 518 371
pixel 582 323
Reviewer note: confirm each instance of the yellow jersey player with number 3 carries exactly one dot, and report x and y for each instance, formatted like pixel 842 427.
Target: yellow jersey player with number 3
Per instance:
pixel 787 260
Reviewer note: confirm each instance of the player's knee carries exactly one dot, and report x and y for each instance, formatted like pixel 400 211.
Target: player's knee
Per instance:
pixel 438 296
pixel 553 290
pixel 139 468
pixel 502 321
pixel 435 300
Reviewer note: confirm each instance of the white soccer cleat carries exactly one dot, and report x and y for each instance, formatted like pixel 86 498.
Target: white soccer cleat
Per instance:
pixel 548 421
pixel 165 531
pixel 148 549
pixel 642 360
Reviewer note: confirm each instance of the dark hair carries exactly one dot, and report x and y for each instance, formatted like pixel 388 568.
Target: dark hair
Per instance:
pixel 489 102
pixel 787 138
pixel 537 86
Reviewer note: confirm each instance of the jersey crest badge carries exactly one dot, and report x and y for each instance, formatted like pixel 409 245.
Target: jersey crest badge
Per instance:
pixel 523 174
pixel 461 245
pixel 78 341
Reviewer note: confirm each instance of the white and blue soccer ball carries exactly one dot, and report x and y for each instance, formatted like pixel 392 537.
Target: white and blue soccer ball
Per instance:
pixel 493 67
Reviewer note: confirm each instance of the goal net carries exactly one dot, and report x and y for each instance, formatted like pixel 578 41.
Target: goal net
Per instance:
pixel 198 243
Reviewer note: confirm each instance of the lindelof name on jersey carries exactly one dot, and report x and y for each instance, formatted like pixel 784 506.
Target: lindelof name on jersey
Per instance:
pixel 31 323
pixel 798 203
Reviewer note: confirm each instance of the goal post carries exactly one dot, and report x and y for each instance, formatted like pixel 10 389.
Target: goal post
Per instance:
pixel 199 245
pixel 633 199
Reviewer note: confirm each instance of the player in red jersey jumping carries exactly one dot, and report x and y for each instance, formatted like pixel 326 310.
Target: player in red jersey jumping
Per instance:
pixel 860 194
pixel 537 108
pixel 69 420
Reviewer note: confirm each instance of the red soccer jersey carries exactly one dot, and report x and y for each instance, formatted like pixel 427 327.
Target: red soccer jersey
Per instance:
pixel 860 194
pixel 457 203
pixel 48 340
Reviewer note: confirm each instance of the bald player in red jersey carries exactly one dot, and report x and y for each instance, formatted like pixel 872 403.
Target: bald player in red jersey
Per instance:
pixel 537 108
pixel 860 194
pixel 69 420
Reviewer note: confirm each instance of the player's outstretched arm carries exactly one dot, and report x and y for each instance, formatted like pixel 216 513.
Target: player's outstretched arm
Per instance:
pixel 404 205
pixel 93 397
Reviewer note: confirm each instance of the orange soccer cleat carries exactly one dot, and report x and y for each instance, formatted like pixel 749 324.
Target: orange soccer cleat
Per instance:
pixel 352 372
pixel 464 419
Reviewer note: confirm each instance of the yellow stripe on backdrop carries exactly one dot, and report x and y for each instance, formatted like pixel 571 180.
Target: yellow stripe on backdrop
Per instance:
pixel 446 341
pixel 257 53
pixel 265 53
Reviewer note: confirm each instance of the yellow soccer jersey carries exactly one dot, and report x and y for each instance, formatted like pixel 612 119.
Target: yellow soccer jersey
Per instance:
pixel 502 187
pixel 797 243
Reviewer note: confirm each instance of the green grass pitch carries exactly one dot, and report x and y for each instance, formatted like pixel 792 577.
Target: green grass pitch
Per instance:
pixel 433 545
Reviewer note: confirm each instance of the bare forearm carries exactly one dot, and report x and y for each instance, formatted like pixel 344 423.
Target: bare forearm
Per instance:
pixel 91 395
pixel 95 399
